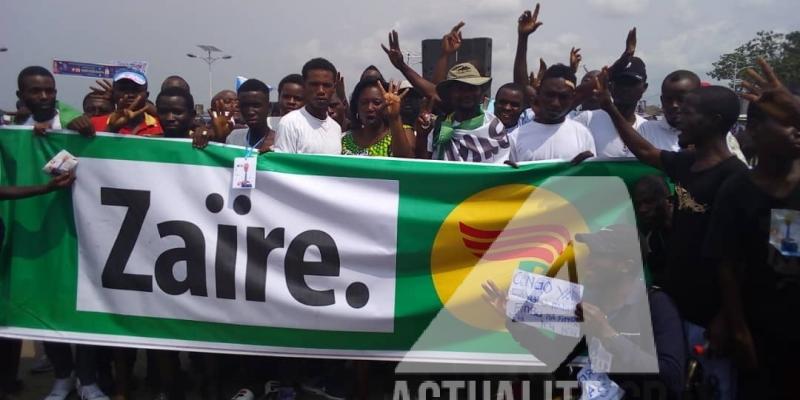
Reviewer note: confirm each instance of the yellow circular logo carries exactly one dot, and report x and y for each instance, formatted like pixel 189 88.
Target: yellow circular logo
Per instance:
pixel 489 236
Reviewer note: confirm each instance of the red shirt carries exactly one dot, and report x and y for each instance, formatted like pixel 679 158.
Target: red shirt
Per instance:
pixel 148 127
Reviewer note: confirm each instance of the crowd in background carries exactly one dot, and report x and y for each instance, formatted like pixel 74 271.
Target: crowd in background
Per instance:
pixel 722 290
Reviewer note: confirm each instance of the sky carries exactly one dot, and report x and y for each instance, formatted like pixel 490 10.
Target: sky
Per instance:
pixel 269 39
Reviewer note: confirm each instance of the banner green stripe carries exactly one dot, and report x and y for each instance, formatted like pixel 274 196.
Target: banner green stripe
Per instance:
pixel 38 276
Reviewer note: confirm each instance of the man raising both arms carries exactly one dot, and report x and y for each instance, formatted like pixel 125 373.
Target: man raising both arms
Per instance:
pixel 310 129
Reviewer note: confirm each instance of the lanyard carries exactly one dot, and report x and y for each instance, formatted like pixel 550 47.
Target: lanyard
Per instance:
pixel 249 150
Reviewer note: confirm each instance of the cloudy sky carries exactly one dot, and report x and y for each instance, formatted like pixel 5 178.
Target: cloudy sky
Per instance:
pixel 271 38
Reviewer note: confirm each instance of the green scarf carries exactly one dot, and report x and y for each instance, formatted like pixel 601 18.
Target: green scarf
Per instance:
pixel 448 127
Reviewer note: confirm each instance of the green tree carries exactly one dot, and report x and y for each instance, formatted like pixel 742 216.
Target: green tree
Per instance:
pixel 789 67
pixel 781 51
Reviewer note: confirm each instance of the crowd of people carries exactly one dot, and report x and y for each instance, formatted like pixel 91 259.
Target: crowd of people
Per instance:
pixel 725 289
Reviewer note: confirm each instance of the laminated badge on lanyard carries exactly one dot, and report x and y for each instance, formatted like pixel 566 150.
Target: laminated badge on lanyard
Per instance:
pixel 244 168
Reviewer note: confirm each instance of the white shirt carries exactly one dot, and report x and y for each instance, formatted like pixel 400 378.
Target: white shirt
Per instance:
pixel 55 123
pixel 536 141
pixel 660 134
pixel 238 137
pixel 606 137
pixel 664 136
pixel 272 122
pixel 301 132
pixel 526 117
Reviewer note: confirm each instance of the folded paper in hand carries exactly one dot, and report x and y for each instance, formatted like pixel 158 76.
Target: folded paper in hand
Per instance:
pixel 62 163
pixel 544 302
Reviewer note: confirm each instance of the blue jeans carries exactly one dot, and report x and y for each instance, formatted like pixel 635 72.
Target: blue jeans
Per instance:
pixel 718 371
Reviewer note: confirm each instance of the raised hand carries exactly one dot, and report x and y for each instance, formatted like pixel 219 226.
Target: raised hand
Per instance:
pixel 122 117
pixel 600 89
pixel 394 52
pixel 625 58
pixel 82 125
pixel 104 90
pixel 529 22
pixel 340 90
pixel 536 79
pixel 771 95
pixel 630 43
pixel 392 99
pixel 575 59
pixel 451 42
pixel 220 120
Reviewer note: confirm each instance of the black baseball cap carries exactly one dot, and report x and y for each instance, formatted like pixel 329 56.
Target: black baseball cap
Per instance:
pixel 634 69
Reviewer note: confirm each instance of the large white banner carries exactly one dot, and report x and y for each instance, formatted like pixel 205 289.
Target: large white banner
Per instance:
pixel 174 241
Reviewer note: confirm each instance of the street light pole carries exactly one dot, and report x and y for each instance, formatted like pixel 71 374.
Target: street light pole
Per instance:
pixel 736 74
pixel 209 59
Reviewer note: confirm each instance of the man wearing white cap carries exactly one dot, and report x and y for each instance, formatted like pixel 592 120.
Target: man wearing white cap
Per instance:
pixel 129 95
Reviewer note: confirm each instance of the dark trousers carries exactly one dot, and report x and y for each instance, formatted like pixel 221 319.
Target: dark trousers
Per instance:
pixel 84 363
pixel 10 350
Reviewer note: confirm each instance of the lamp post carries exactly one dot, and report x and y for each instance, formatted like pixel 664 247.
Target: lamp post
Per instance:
pixel 209 59
pixel 735 79
pixel 409 56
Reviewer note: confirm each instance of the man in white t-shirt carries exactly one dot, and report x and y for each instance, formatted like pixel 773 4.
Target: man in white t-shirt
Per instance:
pixel 310 130
pixel 664 134
pixel 37 92
pixel 627 87
pixel 552 136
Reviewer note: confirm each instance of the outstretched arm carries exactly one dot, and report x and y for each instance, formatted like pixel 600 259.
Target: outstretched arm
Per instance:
pixel 396 58
pixel 21 192
pixel 451 42
pixel 625 58
pixel 402 142
pixel 575 59
pixel 526 24
pixel 771 96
